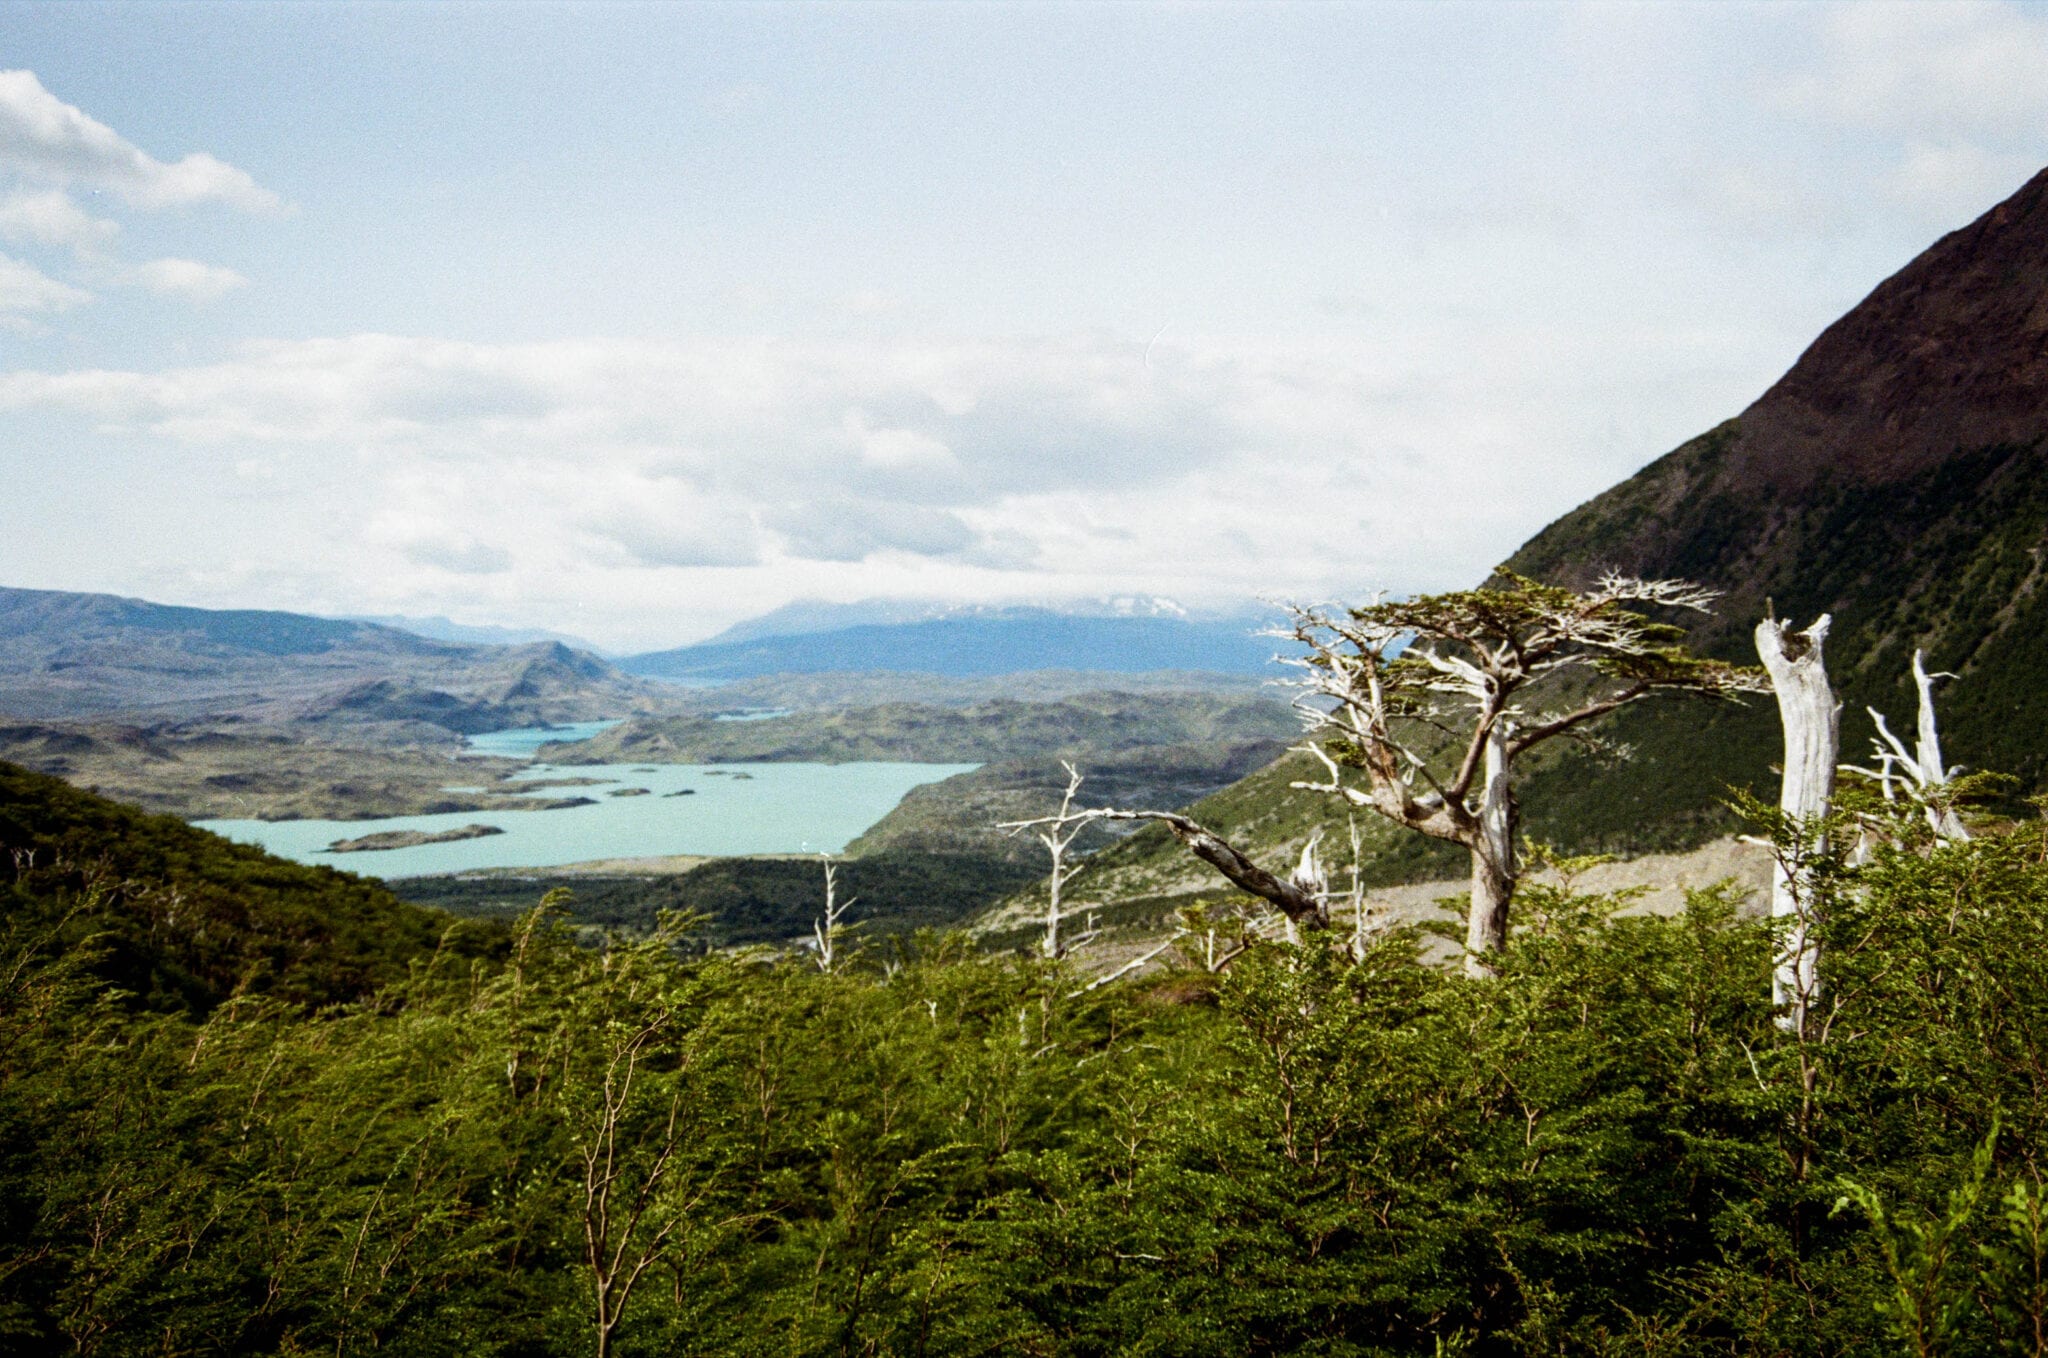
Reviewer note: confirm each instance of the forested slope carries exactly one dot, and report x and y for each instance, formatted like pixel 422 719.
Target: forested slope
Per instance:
pixel 640 1149
pixel 183 918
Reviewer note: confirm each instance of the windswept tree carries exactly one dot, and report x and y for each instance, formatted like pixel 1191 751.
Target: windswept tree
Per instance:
pixel 1434 699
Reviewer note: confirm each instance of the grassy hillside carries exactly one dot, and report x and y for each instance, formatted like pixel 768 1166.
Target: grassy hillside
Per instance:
pixel 1261 814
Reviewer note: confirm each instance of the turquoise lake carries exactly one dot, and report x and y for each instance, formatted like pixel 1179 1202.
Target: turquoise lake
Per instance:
pixel 717 809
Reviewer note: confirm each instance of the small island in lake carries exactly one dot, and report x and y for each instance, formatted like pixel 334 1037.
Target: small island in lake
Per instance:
pixel 408 839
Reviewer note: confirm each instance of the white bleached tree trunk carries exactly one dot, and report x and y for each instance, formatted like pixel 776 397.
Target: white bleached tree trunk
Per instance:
pixel 1919 773
pixel 826 932
pixel 1057 833
pixel 1812 722
pixel 1928 771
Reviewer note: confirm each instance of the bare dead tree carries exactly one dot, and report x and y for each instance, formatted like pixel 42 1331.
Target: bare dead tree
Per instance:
pixel 826 932
pixel 1434 699
pixel 1362 926
pixel 1057 833
pixel 1812 722
pixel 1135 964
pixel 1919 774
pixel 1391 689
pixel 1219 945
pixel 1300 896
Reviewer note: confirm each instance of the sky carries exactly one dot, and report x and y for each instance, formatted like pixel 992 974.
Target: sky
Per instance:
pixel 634 321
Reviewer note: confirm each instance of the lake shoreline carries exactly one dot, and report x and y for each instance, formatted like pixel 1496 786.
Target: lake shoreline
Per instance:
pixel 677 811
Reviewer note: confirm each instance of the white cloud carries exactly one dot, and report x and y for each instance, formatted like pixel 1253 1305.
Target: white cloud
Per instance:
pixel 898 449
pixel 653 521
pixel 189 279
pixel 707 479
pixel 460 554
pixel 45 138
pixel 842 528
pixel 51 218
pixel 922 423
pixel 1948 69
pixel 1954 180
pixel 425 539
pixel 23 289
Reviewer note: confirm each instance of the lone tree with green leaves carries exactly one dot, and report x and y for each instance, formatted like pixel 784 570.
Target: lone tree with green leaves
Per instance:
pixel 1435 698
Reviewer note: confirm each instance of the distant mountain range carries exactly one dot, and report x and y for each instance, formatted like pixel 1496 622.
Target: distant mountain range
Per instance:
pixel 967 643
pixel 473 634
pixel 807 617
pixel 66 656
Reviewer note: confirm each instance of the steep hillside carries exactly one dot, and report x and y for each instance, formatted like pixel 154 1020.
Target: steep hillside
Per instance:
pixel 1896 477
pixel 185 918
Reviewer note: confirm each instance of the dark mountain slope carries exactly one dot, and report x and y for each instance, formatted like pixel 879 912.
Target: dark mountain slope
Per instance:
pixel 187 918
pixel 1948 357
pixel 1896 477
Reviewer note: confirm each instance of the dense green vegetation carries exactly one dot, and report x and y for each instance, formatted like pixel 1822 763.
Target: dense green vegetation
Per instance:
pixel 182 918
pixel 645 1147
pixel 1946 559
pixel 744 900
